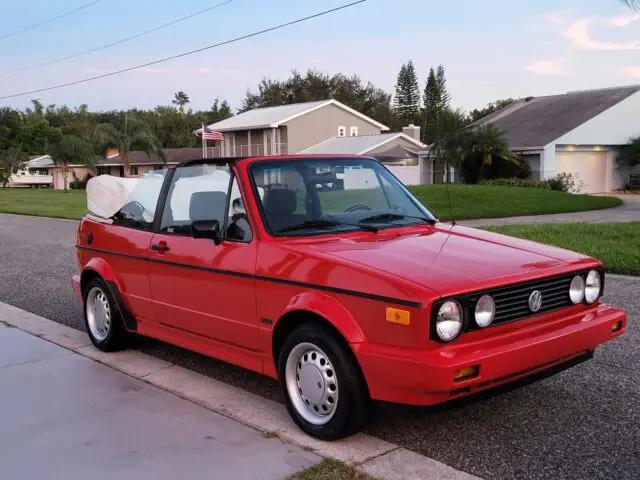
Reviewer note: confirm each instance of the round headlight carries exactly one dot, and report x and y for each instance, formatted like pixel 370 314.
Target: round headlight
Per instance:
pixel 485 311
pixel 449 321
pixel 592 288
pixel 576 289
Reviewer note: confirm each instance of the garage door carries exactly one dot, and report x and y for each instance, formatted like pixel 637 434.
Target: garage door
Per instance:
pixel 590 167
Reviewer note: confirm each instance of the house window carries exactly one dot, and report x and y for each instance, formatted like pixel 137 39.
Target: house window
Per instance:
pixel 134 170
pixel 103 170
pixel 353 132
pixel 342 131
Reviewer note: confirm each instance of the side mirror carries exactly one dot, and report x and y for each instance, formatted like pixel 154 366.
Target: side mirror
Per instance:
pixel 206 229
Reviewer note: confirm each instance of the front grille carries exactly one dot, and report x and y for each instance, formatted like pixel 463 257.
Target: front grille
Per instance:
pixel 512 302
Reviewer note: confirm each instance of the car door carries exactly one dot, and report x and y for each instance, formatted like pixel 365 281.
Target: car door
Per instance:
pixel 199 286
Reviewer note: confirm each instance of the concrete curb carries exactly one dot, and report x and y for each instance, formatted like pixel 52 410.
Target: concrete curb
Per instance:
pixel 377 457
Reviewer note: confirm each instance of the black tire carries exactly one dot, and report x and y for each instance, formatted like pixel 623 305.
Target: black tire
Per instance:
pixel 354 403
pixel 117 337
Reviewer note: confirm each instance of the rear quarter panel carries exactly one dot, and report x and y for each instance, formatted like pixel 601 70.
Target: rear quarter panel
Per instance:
pixel 110 253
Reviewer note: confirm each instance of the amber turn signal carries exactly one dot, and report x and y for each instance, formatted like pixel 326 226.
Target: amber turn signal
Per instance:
pixel 466 373
pixel 401 317
pixel 616 327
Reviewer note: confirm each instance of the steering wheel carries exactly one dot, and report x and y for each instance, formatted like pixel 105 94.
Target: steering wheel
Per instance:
pixel 356 207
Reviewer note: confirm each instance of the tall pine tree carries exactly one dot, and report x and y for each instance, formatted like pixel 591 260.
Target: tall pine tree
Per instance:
pixel 436 101
pixel 407 98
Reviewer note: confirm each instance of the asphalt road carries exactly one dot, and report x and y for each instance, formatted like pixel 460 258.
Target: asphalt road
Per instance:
pixel 581 423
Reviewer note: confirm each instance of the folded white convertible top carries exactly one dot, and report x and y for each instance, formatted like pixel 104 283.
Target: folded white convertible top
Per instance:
pixel 106 194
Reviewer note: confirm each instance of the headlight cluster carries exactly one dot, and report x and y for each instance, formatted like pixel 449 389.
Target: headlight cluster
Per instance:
pixel 588 290
pixel 450 316
pixel 450 319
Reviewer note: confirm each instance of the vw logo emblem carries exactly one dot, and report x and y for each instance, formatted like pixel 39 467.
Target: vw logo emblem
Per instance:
pixel 535 301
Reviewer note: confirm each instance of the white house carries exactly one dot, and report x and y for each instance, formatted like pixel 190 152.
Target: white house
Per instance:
pixel 34 173
pixel 576 132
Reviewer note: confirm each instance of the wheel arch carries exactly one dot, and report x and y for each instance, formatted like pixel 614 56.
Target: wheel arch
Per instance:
pixel 98 268
pixel 317 308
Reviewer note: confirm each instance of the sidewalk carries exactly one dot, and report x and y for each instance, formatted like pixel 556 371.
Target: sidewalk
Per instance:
pixel 63 415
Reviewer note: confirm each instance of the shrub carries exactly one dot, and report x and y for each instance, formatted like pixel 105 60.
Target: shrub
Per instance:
pixel 566 182
pixel 78 184
pixel 518 182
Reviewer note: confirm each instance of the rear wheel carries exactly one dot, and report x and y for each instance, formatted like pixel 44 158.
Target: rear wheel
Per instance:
pixel 323 387
pixel 102 318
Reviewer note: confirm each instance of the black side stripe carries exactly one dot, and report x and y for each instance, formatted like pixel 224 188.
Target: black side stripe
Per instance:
pixel 325 288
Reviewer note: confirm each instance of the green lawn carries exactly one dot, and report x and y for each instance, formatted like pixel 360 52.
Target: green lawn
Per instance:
pixel 43 202
pixel 330 470
pixel 469 201
pixel 616 244
pixel 483 201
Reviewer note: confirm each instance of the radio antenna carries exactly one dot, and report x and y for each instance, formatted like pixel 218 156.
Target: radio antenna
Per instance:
pixel 444 166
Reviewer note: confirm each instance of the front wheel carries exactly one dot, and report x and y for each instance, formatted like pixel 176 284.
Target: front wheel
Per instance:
pixel 323 387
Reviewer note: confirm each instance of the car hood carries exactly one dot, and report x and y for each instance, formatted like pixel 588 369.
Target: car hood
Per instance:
pixel 450 260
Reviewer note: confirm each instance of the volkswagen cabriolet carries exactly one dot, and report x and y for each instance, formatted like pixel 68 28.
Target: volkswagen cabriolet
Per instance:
pixel 328 274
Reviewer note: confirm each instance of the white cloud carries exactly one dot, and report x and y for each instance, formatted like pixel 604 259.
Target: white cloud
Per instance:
pixel 623 20
pixel 630 71
pixel 578 33
pixel 553 67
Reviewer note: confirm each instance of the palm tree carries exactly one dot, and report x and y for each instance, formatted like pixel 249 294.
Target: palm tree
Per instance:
pixel 489 142
pixel 180 99
pixel 135 134
pixel 11 160
pixel 452 137
pixel 71 150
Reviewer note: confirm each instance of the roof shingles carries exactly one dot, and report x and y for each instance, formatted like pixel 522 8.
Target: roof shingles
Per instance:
pixel 539 121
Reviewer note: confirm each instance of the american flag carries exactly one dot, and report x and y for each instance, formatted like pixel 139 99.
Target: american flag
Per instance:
pixel 208 134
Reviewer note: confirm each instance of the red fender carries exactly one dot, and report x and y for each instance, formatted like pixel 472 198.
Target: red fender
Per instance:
pixel 102 268
pixel 331 310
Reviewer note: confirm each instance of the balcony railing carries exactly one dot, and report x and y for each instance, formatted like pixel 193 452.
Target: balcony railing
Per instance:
pixel 258 150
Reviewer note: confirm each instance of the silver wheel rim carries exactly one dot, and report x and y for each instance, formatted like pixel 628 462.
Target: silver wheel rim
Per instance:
pixel 312 383
pixel 98 314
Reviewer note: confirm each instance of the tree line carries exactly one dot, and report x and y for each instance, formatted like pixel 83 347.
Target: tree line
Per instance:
pixel 77 135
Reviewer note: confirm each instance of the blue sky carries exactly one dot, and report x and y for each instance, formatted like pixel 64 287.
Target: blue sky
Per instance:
pixel 491 49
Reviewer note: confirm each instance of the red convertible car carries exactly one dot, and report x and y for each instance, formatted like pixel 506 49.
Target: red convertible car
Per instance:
pixel 326 273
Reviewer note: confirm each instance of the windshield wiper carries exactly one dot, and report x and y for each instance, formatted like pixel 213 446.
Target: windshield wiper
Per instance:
pixel 388 217
pixel 323 223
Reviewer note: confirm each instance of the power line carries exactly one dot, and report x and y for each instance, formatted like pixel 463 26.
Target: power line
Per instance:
pixel 52 19
pixel 117 42
pixel 191 52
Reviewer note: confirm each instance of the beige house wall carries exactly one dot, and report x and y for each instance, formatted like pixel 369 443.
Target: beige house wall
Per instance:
pixel 74 173
pixel 322 124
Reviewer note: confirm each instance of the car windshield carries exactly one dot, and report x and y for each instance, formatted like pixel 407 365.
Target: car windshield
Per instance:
pixel 312 195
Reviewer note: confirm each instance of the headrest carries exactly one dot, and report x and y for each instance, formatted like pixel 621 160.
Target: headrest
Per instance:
pixel 280 201
pixel 207 206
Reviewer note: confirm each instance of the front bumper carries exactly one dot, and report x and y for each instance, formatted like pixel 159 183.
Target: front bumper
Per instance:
pixel 426 377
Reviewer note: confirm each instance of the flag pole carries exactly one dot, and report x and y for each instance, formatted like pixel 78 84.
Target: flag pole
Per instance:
pixel 204 148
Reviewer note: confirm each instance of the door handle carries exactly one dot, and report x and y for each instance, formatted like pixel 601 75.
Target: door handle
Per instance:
pixel 160 247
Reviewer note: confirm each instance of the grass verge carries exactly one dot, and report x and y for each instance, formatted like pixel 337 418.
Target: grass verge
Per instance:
pixel 469 201
pixel 43 202
pixel 616 244
pixel 330 470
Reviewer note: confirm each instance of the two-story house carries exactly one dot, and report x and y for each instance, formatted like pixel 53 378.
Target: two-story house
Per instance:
pixel 321 127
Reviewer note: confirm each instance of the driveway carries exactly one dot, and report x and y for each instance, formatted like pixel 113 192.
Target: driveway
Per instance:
pixel 582 423
pixel 629 211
